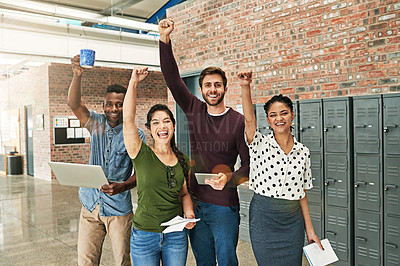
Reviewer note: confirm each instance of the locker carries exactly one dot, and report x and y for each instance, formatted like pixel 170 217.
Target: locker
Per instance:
pixel 392 185
pixel 367 182
pixel 315 194
pixel 368 238
pixel 335 125
pixel 245 196
pixel 337 228
pixel 295 122
pixel 317 219
pixel 311 124
pixel 392 241
pixel 336 181
pixel 367 125
pixel 261 118
pixel 391 126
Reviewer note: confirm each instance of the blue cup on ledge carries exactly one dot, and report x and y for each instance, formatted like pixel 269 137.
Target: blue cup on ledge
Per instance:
pixel 87 58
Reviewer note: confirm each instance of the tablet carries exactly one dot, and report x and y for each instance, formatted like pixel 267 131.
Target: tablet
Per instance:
pixel 201 177
pixel 79 175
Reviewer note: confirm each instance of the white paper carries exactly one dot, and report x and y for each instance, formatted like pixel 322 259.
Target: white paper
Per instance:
pixel 318 257
pixel 74 123
pixel 70 133
pixel 78 133
pixel 177 224
pixel 85 133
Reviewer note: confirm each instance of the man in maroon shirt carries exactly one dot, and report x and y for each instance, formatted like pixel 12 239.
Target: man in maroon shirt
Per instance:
pixel 216 140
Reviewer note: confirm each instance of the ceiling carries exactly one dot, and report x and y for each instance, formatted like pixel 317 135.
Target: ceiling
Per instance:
pixel 96 23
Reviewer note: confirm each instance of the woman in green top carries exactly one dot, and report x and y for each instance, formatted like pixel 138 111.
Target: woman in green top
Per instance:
pixel 162 174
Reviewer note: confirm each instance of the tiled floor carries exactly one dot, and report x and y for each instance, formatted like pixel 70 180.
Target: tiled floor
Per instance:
pixel 39 225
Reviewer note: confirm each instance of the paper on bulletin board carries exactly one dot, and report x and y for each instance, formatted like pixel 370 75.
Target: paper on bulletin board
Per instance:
pixel 70 133
pixel 85 133
pixel 61 122
pixel 78 133
pixel 74 123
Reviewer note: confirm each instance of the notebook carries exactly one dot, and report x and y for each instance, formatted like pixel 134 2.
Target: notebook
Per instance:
pixel 79 175
pixel 319 257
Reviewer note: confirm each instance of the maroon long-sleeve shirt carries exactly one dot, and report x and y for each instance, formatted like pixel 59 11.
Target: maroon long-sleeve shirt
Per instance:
pixel 215 141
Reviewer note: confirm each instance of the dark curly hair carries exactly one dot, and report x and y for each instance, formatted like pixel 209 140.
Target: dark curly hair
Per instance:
pixel 278 98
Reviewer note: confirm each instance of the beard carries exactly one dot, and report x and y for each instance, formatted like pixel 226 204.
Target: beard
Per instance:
pixel 218 100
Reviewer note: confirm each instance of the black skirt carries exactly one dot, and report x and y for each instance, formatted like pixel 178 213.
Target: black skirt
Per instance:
pixel 276 231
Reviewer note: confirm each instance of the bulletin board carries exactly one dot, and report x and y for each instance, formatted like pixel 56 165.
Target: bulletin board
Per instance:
pixel 68 131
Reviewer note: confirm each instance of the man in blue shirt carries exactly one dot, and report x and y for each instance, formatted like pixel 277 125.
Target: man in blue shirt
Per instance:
pixel 107 210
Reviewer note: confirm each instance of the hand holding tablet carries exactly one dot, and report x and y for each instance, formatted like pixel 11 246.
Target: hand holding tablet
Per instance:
pixel 201 177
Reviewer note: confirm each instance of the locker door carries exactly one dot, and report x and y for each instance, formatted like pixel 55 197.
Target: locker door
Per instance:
pixel 391 126
pixel 261 118
pixel 295 122
pixel 392 185
pixel 336 186
pixel 315 194
pixel 337 233
pixel 310 125
pixel 367 182
pixel 368 240
pixel 335 126
pixel 245 196
pixel 392 241
pixel 366 125
pixel 316 218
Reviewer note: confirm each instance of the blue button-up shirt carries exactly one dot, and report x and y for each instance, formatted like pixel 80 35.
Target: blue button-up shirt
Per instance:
pixel 107 149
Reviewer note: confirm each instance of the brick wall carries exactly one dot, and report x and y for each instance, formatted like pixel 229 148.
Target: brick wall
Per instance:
pixel 304 49
pixel 94 82
pixel 46 88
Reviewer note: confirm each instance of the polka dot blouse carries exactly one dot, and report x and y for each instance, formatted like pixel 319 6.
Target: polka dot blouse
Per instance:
pixel 275 174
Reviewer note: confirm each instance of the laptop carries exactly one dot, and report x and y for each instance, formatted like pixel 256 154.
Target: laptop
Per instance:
pixel 79 175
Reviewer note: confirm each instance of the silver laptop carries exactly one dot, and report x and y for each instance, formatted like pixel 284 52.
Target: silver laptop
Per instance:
pixel 79 175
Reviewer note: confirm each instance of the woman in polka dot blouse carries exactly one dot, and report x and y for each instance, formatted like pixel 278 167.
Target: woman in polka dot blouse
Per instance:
pixel 280 173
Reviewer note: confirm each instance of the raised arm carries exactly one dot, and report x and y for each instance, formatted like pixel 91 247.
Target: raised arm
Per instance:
pixel 74 92
pixel 250 123
pixel 170 70
pixel 131 135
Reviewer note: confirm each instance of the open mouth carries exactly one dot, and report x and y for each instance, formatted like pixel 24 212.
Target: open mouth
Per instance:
pixel 280 124
pixel 162 134
pixel 213 96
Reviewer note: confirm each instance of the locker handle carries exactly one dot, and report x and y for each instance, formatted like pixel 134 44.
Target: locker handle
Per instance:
pixel 327 127
pixel 357 184
pixel 242 215
pixel 359 126
pixel 326 183
pixel 386 128
pixel 330 233
pixel 391 245
pixel 361 238
pixel 386 188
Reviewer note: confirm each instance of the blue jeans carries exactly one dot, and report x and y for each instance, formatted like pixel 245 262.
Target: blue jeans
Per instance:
pixel 215 235
pixel 148 248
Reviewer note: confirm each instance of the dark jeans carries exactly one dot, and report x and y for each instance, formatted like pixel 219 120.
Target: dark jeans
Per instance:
pixel 215 235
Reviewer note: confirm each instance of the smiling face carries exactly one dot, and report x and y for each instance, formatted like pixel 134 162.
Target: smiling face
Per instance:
pixel 112 107
pixel 280 117
pixel 161 127
pixel 213 89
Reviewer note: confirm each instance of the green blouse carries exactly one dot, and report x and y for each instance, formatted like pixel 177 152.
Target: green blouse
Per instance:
pixel 157 203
